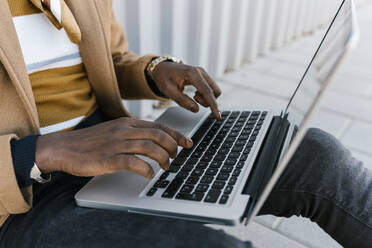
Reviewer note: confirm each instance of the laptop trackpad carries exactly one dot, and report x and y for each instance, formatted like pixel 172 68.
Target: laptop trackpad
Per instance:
pixel 181 119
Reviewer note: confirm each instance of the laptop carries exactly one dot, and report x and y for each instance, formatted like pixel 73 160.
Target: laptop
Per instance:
pixel 234 163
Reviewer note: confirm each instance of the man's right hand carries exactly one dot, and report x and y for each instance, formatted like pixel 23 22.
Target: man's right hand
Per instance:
pixel 109 147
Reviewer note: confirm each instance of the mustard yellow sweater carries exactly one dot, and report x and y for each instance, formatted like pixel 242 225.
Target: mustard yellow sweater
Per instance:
pixel 59 82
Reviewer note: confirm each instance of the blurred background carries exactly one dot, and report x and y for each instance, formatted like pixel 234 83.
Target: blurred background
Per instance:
pixel 257 50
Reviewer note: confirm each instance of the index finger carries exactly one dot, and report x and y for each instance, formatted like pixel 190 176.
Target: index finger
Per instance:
pixel 180 138
pixel 213 84
pixel 196 79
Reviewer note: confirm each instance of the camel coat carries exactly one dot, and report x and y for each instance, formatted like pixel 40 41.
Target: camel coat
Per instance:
pixel 113 71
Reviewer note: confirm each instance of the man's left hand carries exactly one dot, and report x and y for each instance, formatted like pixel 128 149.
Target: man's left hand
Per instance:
pixel 171 79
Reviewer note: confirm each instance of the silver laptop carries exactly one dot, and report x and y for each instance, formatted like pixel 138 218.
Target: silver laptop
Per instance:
pixel 234 164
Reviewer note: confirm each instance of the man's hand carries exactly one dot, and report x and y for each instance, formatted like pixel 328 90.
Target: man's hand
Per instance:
pixel 109 147
pixel 171 79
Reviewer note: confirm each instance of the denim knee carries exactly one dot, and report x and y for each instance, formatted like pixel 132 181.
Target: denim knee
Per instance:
pixel 322 151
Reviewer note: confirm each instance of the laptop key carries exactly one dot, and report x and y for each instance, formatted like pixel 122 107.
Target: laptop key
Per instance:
pixel 202 165
pixel 218 185
pixel 151 192
pixel 244 157
pixel 173 187
pixel 235 114
pixel 164 175
pixel 230 161
pixel 187 168
pixel 236 172
pixel 215 164
pixel 197 154
pixel 240 164
pixel 179 161
pixel 187 189
pixel 246 132
pixel 202 188
pixel 207 179
pixel 197 172
pixel 223 176
pixel 161 184
pixel 211 172
pixel 173 169
pixel 237 148
pixel 212 196
pixel 227 168
pixel 210 152
pixel 240 142
pixel 227 144
pixel 223 151
pixel 192 180
pixel 234 155
pixel 220 157
pixel 206 158
pixel 239 124
pixel 245 113
pixel 233 180
pixel 192 161
pixel 247 150
pixel 250 144
pixel 214 146
pixel 252 121
pixel 197 196
pixel 228 189
pixel 243 137
pixel 185 152
pixel 183 174
pixel 249 127
pixel 234 134
pixel 224 199
pixel 253 118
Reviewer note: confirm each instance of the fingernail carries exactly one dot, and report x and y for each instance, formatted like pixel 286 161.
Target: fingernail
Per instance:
pixel 152 175
pixel 193 107
pixel 189 141
pixel 219 115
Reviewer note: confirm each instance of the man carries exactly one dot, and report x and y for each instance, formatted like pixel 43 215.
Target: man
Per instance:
pixel 67 84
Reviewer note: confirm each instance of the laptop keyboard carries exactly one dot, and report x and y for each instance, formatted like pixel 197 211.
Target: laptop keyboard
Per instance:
pixel 209 171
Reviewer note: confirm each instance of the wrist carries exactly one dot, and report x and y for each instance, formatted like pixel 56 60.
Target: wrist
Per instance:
pixel 157 61
pixel 44 154
pixel 152 84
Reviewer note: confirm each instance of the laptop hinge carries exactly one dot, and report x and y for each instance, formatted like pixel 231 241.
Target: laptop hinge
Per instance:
pixel 266 161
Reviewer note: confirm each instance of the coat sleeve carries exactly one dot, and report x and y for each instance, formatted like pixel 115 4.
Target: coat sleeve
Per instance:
pixel 129 68
pixel 13 200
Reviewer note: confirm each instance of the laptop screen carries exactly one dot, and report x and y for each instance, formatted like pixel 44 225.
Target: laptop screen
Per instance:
pixel 340 36
pixel 327 57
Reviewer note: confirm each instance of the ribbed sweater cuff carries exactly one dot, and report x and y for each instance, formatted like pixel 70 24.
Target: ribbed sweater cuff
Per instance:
pixel 23 154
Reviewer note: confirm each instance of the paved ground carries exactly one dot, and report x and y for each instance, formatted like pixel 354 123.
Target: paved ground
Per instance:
pixel 346 113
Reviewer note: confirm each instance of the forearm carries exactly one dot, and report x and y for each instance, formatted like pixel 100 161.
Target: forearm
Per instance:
pixel 131 76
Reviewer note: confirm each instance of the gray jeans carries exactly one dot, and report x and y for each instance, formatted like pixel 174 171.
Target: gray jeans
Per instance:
pixel 323 182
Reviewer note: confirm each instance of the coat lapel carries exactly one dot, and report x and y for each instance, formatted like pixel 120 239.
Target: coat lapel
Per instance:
pixel 12 59
pixel 96 55
pixel 94 49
